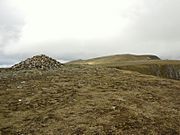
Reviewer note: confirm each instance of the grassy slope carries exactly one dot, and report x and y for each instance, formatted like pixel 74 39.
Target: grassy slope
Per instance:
pixel 146 64
pixel 114 59
pixel 88 100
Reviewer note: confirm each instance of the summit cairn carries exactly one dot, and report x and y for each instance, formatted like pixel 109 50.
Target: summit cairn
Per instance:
pixel 38 62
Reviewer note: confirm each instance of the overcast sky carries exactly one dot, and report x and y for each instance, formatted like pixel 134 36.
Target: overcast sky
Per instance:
pixel 74 29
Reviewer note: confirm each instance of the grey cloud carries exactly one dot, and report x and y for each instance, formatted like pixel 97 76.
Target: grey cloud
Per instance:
pixel 11 24
pixel 7 60
pixel 160 21
pixel 153 29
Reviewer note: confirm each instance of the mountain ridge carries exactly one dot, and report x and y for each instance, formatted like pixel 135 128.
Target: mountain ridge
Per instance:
pixel 115 58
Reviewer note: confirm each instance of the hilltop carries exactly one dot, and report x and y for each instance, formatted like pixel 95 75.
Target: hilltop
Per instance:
pixel 115 59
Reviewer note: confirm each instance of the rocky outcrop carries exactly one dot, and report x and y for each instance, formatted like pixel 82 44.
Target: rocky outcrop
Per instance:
pixel 38 62
pixel 171 71
pixel 167 71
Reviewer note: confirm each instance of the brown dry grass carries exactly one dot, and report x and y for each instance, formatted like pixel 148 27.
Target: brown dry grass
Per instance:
pixel 87 100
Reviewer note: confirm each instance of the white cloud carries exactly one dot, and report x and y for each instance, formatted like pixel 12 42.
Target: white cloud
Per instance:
pixel 80 29
pixel 11 23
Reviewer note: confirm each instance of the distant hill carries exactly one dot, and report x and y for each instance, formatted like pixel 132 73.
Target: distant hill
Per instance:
pixel 115 59
pixel 146 64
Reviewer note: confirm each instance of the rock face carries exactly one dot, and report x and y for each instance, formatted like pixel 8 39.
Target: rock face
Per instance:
pixel 171 71
pixel 167 71
pixel 38 62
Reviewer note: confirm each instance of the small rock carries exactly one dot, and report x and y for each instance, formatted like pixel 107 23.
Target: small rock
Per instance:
pixel 19 100
pixel 19 87
pixel 113 107
pixel 23 82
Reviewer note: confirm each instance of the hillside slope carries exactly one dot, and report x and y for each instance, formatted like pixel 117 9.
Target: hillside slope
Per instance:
pixel 162 68
pixel 87 100
pixel 146 64
pixel 115 59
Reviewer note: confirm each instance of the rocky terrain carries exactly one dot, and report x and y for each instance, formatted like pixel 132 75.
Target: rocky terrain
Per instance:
pixel 87 100
pixel 38 62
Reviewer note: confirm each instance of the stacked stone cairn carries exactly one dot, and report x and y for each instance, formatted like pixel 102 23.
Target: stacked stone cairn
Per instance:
pixel 38 62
